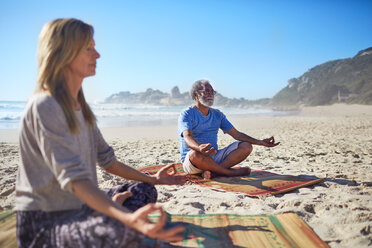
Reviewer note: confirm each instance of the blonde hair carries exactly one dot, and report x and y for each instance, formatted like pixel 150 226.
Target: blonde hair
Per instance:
pixel 60 42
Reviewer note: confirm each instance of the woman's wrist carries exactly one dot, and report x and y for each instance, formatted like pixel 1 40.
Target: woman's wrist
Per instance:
pixel 153 179
pixel 123 216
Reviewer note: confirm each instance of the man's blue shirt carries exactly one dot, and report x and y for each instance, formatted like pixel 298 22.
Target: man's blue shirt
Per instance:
pixel 204 128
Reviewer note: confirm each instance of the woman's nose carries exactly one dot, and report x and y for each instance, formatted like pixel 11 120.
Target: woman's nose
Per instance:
pixel 97 54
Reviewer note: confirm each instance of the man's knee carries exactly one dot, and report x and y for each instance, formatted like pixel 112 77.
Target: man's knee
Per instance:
pixel 196 157
pixel 246 147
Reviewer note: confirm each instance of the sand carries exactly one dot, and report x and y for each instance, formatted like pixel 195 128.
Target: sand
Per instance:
pixel 331 142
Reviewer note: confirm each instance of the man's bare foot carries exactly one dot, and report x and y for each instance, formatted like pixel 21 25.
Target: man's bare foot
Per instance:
pixel 121 197
pixel 207 175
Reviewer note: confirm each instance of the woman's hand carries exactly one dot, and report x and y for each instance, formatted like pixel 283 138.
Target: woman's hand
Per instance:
pixel 155 230
pixel 164 176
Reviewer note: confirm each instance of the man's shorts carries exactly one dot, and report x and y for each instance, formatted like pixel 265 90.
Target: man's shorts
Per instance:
pixel 189 168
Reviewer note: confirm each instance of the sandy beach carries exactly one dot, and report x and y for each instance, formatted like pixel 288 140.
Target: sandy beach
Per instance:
pixel 330 142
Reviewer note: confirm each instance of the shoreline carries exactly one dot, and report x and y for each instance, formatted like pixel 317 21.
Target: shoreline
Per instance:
pixel 330 142
pixel 159 129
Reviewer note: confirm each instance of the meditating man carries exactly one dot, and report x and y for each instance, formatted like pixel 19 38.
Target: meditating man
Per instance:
pixel 198 128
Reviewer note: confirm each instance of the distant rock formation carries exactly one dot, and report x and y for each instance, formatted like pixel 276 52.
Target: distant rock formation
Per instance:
pixel 176 98
pixel 344 80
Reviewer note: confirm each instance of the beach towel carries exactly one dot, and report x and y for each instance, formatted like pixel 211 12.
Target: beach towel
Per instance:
pixel 259 183
pixel 217 230
pixel 229 230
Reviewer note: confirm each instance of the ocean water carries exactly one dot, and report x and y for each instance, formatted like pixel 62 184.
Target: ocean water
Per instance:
pixel 124 115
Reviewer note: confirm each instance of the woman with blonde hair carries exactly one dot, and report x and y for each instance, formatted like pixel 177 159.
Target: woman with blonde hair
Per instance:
pixel 58 201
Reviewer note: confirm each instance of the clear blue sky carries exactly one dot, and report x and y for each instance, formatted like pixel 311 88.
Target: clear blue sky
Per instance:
pixel 246 48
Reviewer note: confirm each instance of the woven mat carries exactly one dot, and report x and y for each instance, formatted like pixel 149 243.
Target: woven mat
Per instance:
pixel 258 183
pixel 228 230
pixel 220 230
pixel 8 229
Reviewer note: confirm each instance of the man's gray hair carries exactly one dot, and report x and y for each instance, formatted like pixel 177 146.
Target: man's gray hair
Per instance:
pixel 196 86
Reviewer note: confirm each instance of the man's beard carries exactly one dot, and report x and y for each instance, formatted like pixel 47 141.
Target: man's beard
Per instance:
pixel 205 102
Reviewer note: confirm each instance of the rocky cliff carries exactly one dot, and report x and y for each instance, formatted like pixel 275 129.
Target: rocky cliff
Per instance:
pixel 344 80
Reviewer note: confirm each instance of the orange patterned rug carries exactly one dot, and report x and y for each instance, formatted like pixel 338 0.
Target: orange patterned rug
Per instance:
pixel 258 183
pixel 229 230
